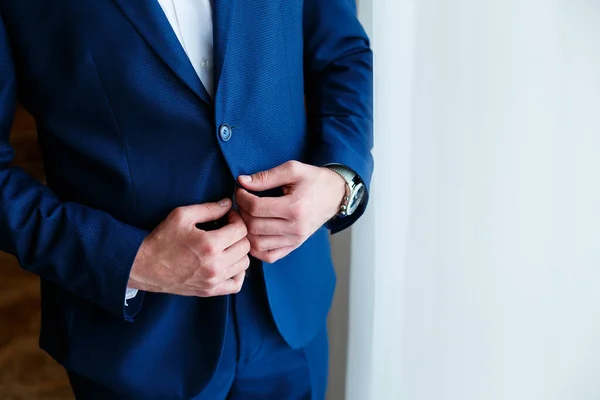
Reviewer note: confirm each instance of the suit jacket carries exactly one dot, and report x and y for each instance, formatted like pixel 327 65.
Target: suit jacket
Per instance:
pixel 128 133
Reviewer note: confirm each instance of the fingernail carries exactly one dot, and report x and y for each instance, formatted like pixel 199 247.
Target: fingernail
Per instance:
pixel 245 178
pixel 224 202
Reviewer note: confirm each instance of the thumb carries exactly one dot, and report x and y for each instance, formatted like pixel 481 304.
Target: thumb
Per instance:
pixel 206 212
pixel 281 175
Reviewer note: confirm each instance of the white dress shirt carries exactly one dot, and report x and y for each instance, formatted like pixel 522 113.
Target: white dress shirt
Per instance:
pixel 192 22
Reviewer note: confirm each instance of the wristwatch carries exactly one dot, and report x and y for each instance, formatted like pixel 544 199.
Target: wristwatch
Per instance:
pixel 355 190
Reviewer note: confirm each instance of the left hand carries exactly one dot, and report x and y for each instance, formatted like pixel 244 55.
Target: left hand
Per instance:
pixel 278 225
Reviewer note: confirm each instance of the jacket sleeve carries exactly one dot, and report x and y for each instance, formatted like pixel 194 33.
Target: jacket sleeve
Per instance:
pixel 338 69
pixel 85 251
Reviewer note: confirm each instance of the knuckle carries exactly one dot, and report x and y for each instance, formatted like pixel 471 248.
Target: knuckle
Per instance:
pixel 261 245
pixel 212 281
pixel 263 176
pixel 301 229
pixel 254 207
pixel 293 167
pixel 208 249
pixel 291 164
pixel 178 215
pixel 297 211
pixel 210 208
pixel 212 273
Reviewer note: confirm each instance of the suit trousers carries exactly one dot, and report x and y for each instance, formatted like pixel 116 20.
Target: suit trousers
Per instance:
pixel 256 363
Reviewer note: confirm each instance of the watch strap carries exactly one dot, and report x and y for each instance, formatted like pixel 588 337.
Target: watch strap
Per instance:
pixel 348 175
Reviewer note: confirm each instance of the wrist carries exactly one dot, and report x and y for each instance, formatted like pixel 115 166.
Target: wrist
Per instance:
pixel 355 190
pixel 339 189
pixel 140 265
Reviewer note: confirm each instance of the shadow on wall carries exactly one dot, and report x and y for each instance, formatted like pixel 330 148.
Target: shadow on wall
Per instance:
pixel 337 323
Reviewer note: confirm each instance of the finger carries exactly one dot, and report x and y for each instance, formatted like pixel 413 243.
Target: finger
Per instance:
pixel 228 235
pixel 234 253
pixel 192 293
pixel 275 207
pixel 234 217
pixel 199 213
pixel 224 259
pixel 231 286
pixel 273 255
pixel 281 175
pixel 238 267
pixel 267 226
pixel 264 243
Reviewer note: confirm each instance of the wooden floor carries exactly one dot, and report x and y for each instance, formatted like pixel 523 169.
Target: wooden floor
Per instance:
pixel 26 372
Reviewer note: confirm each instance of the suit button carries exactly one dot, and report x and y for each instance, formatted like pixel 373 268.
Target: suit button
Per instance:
pixel 225 132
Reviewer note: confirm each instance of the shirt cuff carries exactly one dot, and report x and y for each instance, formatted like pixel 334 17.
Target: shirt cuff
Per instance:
pixel 130 294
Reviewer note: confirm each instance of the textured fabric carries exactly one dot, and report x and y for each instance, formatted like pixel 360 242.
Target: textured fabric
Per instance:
pixel 191 20
pixel 256 364
pixel 128 133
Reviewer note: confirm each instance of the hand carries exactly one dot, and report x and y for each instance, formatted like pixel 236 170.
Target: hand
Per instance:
pixel 279 225
pixel 179 258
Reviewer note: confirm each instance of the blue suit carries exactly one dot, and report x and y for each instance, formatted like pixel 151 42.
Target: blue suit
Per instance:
pixel 128 133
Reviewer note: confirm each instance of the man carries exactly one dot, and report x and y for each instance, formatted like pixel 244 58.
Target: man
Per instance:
pixel 196 155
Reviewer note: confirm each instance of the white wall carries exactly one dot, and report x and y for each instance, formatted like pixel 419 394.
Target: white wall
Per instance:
pixel 502 286
pixel 476 273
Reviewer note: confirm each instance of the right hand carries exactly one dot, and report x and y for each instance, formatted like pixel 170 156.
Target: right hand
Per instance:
pixel 179 258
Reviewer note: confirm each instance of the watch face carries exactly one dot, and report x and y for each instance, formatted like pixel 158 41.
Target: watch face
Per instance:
pixel 356 198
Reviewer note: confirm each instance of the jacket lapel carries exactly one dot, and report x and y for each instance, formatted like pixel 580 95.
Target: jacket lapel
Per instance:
pixel 152 24
pixel 223 15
